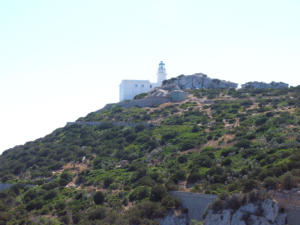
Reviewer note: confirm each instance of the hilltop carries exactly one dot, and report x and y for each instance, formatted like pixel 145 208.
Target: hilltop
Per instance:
pixel 117 165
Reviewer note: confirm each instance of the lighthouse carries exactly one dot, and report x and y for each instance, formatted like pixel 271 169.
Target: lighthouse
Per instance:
pixel 130 88
pixel 161 73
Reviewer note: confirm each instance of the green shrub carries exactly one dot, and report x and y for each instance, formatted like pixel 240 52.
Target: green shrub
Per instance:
pixel 157 193
pixel 97 213
pixel 99 198
pixel 139 193
pixel 289 181
pixel 249 185
pixel 65 178
pixel 270 183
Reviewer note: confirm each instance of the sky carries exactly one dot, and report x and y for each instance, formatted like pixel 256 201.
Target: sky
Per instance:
pixel 61 59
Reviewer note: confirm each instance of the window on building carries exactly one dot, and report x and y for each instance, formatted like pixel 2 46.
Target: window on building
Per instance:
pixel 136 85
pixel 150 86
pixel 142 85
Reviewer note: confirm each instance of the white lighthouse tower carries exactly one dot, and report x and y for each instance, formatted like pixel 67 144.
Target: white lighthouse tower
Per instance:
pixel 161 73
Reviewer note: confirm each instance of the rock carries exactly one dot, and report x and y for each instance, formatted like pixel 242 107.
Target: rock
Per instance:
pixel 177 96
pixel 249 208
pixel 157 92
pixel 196 81
pixel 281 219
pixel 172 219
pixel 258 220
pixel 270 209
pixel 258 213
pixel 262 85
pixel 237 218
pixel 222 218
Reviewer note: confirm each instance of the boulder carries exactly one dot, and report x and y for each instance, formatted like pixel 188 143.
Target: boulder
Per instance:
pixel 258 213
pixel 172 219
pixel 196 81
pixel 222 218
pixel 237 218
pixel 258 220
pixel 270 209
pixel 281 219
pixel 177 96
pixel 263 85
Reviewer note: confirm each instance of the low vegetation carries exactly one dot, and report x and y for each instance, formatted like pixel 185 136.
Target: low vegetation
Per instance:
pixel 220 142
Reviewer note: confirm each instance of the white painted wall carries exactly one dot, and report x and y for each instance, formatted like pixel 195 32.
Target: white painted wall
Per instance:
pixel 130 88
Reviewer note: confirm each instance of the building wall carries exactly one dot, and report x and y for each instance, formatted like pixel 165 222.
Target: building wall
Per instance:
pixel 195 203
pixel 130 88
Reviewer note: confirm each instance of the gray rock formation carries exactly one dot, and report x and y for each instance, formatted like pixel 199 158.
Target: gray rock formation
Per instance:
pixel 177 96
pixel 222 218
pixel 261 213
pixel 172 219
pixel 196 81
pixel 262 85
pixel 196 204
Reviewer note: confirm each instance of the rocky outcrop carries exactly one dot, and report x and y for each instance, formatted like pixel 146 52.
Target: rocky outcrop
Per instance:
pixel 262 85
pixel 195 203
pixel 222 218
pixel 172 219
pixel 260 213
pixel 196 81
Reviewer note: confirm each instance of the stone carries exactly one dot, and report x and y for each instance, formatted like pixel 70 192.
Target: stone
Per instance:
pixel 222 218
pixel 196 81
pixel 263 85
pixel 249 214
pixel 281 219
pixel 172 219
pixel 270 209
pixel 249 208
pixel 177 96
pixel 258 220
pixel 237 218
pixel 196 203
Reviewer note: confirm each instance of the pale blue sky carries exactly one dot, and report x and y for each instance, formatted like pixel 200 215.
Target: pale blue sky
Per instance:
pixel 61 59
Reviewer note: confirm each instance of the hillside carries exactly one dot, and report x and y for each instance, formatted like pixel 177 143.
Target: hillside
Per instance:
pixel 116 165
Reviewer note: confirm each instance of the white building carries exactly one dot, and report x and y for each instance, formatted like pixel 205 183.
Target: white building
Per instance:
pixel 130 88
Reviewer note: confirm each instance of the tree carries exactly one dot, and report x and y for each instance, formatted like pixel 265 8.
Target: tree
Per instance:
pixel 157 193
pixel 99 198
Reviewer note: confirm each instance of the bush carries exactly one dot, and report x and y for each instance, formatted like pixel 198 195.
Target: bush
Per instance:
pixel 270 183
pixel 249 185
pixel 218 205
pixel 203 161
pixel 108 181
pixel 243 143
pixel 289 181
pixel 65 178
pixel 139 193
pixel 179 175
pixel 99 198
pixel 227 162
pixel 97 214
pixel 194 177
pixel 50 195
pixel 157 193
pixel 168 202
pixel 34 204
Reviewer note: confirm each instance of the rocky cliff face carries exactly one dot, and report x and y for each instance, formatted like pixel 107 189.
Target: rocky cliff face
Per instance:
pixel 196 81
pixel 262 85
pixel 172 219
pixel 260 213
